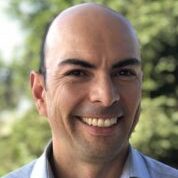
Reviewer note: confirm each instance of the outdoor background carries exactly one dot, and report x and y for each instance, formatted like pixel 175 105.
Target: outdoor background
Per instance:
pixel 23 134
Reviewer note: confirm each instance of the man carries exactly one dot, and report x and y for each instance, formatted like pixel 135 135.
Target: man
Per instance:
pixel 89 88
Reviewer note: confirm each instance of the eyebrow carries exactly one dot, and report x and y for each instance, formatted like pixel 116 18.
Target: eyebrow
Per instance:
pixel 126 62
pixel 78 62
pixel 82 63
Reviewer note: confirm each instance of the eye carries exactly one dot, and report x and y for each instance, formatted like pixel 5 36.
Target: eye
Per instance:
pixel 76 73
pixel 126 74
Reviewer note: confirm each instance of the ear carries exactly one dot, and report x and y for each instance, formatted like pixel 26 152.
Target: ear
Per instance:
pixel 38 92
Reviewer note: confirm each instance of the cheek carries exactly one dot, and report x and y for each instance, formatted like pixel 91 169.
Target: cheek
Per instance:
pixel 131 96
pixel 64 98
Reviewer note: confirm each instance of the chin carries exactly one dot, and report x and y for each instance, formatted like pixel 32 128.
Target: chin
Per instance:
pixel 102 153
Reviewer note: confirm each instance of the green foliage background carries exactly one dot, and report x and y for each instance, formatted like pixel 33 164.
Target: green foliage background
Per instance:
pixel 156 22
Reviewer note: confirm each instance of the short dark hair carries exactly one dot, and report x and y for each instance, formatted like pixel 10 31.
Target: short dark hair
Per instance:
pixel 42 66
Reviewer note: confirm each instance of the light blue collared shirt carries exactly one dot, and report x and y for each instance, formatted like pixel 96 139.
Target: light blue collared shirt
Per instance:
pixel 137 166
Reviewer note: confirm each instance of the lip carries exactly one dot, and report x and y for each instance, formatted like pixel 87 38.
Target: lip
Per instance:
pixel 100 131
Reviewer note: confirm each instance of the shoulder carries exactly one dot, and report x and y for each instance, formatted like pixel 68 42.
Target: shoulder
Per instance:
pixel 158 169
pixel 23 172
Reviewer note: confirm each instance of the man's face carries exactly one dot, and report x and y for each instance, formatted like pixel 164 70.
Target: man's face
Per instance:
pixel 93 88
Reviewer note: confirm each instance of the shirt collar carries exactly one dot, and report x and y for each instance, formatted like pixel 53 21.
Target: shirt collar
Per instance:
pixel 42 167
pixel 137 165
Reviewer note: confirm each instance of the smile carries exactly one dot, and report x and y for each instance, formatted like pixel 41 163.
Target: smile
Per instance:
pixel 100 122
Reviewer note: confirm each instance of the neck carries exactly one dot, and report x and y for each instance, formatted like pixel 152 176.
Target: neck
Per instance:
pixel 68 166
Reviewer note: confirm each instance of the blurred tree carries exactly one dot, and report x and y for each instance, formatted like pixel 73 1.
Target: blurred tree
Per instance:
pixel 30 134
pixel 156 24
pixel 7 98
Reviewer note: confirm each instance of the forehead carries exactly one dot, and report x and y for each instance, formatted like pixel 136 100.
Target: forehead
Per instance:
pixel 91 34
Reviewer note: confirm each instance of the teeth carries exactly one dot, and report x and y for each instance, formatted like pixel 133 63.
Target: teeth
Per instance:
pixel 94 122
pixel 99 122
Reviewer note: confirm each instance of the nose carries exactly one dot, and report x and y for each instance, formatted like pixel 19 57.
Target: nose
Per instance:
pixel 104 91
